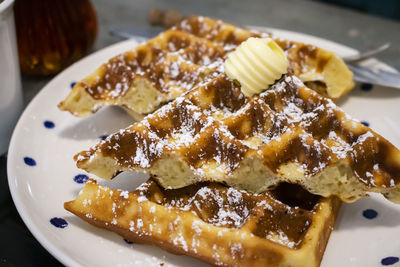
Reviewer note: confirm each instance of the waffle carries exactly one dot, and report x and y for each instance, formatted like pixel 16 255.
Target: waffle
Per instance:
pixel 288 133
pixel 217 224
pixel 143 79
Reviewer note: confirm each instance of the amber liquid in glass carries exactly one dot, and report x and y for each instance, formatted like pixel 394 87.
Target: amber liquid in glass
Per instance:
pixel 53 34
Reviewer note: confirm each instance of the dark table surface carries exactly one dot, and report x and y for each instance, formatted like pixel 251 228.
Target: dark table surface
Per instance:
pixel 19 248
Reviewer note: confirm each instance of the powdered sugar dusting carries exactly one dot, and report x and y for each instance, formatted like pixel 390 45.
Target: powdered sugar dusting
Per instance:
pixel 206 131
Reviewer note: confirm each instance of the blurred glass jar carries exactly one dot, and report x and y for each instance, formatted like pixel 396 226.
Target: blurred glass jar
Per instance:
pixel 52 34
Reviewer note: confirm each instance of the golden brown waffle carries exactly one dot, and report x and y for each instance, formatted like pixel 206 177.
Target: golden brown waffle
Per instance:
pixel 145 78
pixel 288 133
pixel 217 224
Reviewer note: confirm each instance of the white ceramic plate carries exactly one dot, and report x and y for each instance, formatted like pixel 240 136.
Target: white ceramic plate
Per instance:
pixel 40 190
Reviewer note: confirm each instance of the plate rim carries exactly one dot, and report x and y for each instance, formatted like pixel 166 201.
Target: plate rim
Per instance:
pixel 39 235
pixel 59 254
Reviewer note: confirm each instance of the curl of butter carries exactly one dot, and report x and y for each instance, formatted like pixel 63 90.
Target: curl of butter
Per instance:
pixel 256 64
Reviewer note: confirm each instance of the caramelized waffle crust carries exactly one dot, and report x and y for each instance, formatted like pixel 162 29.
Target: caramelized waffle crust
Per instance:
pixel 145 78
pixel 288 133
pixel 217 224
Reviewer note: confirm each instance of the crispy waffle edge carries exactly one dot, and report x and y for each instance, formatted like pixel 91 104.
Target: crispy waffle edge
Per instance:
pixel 219 246
pixel 318 67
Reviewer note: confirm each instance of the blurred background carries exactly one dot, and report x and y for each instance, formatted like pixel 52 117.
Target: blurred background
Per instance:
pixel 66 30
pixel 51 35
pixel 384 8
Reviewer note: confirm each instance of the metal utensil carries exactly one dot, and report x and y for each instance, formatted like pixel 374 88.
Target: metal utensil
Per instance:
pixel 368 75
pixel 128 35
pixel 367 54
pixel 140 35
pixel 378 77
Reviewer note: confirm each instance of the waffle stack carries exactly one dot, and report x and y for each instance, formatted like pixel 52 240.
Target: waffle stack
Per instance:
pixel 210 141
pixel 222 226
pixel 162 69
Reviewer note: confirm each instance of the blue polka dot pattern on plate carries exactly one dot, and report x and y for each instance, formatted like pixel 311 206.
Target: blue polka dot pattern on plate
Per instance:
pixel 365 123
pixel 104 136
pixel 127 241
pixel 366 86
pixel 72 84
pixel 370 214
pixel 389 260
pixel 59 222
pixel 81 178
pixel 49 124
pixel 29 161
